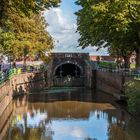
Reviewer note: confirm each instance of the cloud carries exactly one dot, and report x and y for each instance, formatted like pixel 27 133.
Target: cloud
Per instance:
pixel 78 132
pixel 57 23
pixel 71 131
pixel 63 30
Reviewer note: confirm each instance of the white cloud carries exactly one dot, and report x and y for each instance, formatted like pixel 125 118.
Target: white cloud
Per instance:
pixel 63 30
pixel 78 132
pixel 72 131
pixel 57 24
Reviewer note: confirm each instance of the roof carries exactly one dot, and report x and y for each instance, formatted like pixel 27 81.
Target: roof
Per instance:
pixel 104 58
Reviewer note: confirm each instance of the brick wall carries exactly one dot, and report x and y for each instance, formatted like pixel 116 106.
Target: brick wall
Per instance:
pixel 20 85
pixel 112 83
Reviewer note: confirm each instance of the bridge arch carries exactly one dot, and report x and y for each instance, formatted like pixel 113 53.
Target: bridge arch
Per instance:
pixel 68 68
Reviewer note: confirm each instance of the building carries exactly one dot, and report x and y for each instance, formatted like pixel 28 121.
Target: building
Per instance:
pixel 102 58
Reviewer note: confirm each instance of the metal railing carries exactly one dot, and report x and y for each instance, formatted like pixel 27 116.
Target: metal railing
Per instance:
pixel 8 74
pixel 4 76
pixel 112 67
pixel 123 71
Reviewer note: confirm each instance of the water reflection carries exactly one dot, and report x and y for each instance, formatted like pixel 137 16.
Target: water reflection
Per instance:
pixel 70 116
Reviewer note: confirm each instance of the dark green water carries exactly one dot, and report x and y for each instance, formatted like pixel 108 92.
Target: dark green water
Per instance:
pixel 70 115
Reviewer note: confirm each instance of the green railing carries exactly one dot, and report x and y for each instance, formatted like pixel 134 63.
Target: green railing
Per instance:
pixel 112 67
pixel 4 76
pixel 137 76
pixel 7 75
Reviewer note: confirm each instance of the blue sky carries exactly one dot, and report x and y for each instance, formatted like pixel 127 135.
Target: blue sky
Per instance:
pixel 69 129
pixel 70 8
pixel 62 27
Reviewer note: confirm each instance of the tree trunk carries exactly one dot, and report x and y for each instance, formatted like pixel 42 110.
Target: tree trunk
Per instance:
pixel 126 62
pixel 138 52
pixel 138 58
pixel 25 56
pixel 24 61
pixel 14 64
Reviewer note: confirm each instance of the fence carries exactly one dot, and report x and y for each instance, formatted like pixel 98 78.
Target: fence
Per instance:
pixel 4 76
pixel 112 67
pixel 123 71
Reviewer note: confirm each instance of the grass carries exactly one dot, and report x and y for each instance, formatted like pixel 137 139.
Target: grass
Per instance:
pixel 107 65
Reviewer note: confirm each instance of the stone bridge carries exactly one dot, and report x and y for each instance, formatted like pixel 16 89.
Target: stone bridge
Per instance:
pixel 68 69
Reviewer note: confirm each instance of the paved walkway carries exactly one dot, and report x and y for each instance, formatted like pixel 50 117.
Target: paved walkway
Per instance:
pixel 20 64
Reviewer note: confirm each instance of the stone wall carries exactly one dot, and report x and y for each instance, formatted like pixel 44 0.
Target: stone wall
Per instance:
pixel 5 96
pixel 90 78
pixel 69 82
pixel 5 120
pixel 20 85
pixel 28 82
pixel 112 83
pixel 58 59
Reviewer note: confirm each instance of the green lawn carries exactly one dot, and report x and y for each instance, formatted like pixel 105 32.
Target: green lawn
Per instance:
pixel 110 65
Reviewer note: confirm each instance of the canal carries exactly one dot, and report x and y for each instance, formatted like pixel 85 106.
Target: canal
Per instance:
pixel 68 114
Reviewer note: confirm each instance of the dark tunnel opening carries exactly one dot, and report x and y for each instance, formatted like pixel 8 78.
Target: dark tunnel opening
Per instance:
pixel 68 69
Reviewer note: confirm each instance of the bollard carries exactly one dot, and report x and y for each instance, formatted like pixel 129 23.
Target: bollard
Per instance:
pixel 19 71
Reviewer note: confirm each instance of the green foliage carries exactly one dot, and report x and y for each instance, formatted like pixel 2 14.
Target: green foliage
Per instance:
pixel 110 23
pixel 26 6
pixel 8 43
pixel 110 65
pixel 23 29
pixel 133 94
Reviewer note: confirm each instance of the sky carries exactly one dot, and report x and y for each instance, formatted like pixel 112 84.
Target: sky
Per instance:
pixel 62 27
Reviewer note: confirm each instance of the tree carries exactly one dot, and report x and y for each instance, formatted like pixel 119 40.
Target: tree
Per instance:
pixel 121 53
pixel 23 29
pixel 107 23
pixel 133 94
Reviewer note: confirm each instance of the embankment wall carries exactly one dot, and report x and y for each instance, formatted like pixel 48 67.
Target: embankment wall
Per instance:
pixel 20 85
pixel 112 83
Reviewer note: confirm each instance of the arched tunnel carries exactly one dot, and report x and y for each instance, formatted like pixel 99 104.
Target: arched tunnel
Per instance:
pixel 68 74
pixel 68 69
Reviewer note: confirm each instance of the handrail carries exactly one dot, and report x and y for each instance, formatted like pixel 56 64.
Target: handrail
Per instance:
pixel 126 72
pixel 4 76
pixel 7 75
pixel 112 67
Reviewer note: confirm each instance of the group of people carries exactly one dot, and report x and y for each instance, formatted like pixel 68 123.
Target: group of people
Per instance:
pixel 121 63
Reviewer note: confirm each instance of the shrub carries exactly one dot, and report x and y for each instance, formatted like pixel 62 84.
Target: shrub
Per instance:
pixel 133 94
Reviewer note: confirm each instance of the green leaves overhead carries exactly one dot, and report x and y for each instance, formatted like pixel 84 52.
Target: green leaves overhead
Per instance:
pixel 27 6
pixel 107 23
pixel 24 28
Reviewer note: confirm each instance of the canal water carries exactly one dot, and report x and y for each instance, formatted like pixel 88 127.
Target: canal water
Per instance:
pixel 69 114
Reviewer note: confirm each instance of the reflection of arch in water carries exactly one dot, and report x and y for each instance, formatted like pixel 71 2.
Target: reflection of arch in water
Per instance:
pixel 68 68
